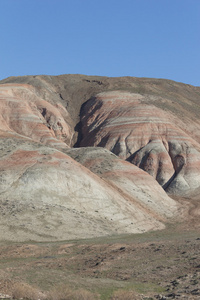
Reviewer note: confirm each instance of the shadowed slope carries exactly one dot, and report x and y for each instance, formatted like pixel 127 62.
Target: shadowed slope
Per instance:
pixel 145 135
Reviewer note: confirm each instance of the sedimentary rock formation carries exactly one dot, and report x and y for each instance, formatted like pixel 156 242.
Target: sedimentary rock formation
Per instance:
pixel 132 182
pixel 54 181
pixel 24 113
pixel 46 195
pixel 144 135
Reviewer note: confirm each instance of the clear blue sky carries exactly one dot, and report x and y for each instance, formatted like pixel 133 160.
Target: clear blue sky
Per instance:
pixel 142 38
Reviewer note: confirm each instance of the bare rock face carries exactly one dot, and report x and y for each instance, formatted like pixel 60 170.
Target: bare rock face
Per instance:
pixel 136 141
pixel 144 135
pixel 24 113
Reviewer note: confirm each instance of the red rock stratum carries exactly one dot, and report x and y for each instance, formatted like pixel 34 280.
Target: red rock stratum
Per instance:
pixel 145 135
pixel 84 156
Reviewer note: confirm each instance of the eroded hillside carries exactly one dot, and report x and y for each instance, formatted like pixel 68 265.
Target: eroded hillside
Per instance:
pixel 84 156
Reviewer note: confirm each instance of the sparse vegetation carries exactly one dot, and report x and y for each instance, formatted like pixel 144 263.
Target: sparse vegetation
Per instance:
pixel 109 268
pixel 21 290
pixel 125 295
pixel 65 293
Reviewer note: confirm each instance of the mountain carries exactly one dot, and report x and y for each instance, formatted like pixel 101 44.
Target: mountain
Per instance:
pixel 86 156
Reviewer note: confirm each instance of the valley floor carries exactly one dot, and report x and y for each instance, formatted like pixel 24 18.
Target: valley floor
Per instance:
pixel 155 265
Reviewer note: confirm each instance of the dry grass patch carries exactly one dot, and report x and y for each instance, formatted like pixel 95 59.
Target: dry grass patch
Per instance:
pixel 22 290
pixel 125 295
pixel 85 295
pixel 65 293
pixel 60 293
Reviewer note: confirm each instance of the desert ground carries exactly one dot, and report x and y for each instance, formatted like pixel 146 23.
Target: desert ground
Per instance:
pixel 163 264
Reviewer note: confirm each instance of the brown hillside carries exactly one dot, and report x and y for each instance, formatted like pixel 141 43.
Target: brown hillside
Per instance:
pixel 55 186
